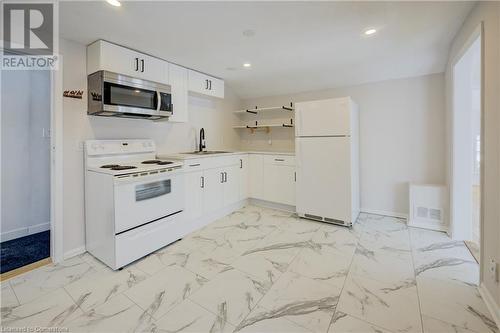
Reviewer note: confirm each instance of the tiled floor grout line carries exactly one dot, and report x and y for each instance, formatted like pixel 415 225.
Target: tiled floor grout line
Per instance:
pixel 343 285
pixel 416 283
pixel 12 288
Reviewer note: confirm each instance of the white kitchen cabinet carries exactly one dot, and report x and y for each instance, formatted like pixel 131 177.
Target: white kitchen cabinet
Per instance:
pixel 213 191
pixel 279 184
pixel 102 55
pixel 243 175
pixel 178 81
pixel 194 194
pixel 256 176
pixel 231 185
pixel 205 84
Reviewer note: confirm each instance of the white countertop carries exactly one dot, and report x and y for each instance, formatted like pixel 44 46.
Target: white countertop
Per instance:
pixel 186 156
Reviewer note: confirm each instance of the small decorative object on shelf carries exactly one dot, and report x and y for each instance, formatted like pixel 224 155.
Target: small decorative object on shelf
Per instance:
pixel 73 93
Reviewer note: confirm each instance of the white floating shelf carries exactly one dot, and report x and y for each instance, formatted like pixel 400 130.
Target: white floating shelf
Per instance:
pixel 268 109
pixel 267 128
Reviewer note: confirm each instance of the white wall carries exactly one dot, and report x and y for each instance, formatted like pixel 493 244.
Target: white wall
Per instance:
pixel 402 137
pixel 25 112
pixel 489 14
pixel 212 114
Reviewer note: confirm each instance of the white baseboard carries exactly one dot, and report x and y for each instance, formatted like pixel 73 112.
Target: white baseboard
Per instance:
pixel 74 252
pixel 273 205
pixel 490 303
pixel 25 231
pixel 428 225
pixel 384 213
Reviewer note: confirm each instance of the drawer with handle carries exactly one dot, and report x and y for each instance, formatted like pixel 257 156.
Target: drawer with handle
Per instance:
pixel 279 160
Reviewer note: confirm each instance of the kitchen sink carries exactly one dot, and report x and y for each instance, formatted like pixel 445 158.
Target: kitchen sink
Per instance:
pixel 208 152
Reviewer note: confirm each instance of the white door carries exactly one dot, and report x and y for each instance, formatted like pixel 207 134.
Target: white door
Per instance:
pixel 231 185
pixel 178 81
pixel 256 176
pixel 323 177
pixel 329 117
pixel 113 58
pixel 279 183
pixel 194 195
pixel 152 69
pixel 213 196
pixel 243 175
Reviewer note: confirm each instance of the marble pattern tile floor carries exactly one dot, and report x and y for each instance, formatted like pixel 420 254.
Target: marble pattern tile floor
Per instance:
pixel 263 270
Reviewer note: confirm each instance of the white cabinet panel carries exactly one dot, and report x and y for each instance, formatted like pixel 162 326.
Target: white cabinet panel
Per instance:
pixel 204 84
pixel 103 55
pixel 231 185
pixel 213 196
pixel 194 195
pixel 244 177
pixel 256 176
pixel 178 81
pixel 279 183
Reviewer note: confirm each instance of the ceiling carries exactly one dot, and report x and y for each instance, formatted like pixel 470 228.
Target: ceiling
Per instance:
pixel 295 47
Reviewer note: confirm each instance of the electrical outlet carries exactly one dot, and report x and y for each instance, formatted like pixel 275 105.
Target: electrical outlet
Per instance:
pixel 493 268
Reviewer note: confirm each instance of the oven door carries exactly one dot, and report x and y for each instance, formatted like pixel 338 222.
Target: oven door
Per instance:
pixel 143 199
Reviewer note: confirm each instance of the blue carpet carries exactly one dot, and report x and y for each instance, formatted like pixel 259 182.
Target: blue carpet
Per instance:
pixel 22 251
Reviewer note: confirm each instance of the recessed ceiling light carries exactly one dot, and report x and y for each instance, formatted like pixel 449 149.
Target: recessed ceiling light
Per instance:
pixel 248 33
pixel 115 3
pixel 369 32
pixel 247 65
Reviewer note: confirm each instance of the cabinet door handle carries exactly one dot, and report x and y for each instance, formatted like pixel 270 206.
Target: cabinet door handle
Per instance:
pixel 142 65
pixel 210 81
pixel 225 177
pixel 202 182
pixel 279 160
pixel 194 165
pixel 136 60
pixel 241 163
pixel 295 175
pixel 222 177
pixel 206 84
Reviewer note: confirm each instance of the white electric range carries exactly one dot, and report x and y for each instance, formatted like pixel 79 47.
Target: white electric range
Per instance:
pixel 133 201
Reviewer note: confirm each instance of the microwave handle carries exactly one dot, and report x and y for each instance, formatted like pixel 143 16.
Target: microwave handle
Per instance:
pixel 158 95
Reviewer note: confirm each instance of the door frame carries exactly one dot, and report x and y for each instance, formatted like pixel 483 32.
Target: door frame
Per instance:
pixel 56 162
pixel 57 208
pixel 477 33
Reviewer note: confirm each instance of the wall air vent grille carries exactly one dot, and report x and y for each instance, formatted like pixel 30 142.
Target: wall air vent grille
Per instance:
pixel 423 212
pixel 435 214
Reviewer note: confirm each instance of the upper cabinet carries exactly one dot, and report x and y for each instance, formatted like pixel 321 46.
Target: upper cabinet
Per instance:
pixel 102 55
pixel 179 81
pixel 206 85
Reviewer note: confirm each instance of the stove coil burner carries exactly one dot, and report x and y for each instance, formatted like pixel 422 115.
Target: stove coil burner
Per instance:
pixel 123 167
pixel 110 166
pixel 158 162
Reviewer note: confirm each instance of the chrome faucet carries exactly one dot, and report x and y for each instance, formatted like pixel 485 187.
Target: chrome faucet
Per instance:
pixel 203 146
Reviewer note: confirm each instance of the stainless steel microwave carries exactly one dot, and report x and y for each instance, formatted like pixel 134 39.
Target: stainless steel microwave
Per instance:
pixel 116 95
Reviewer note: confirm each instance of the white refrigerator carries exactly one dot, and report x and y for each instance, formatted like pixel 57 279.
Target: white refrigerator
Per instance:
pixel 327 150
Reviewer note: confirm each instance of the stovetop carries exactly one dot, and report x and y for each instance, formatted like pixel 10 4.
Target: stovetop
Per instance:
pixel 126 167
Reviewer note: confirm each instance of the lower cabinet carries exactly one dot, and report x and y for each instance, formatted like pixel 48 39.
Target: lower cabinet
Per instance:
pixel 279 184
pixel 272 178
pixel 194 194
pixel 215 183
pixel 211 189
